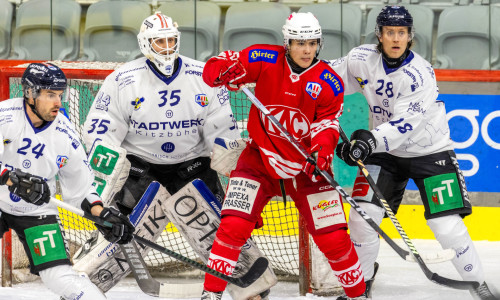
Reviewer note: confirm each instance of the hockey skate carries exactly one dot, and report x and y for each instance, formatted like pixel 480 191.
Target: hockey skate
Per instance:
pixel 206 295
pixel 368 292
pixel 483 293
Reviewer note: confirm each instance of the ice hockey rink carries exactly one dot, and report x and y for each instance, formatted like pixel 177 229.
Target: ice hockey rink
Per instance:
pixel 396 279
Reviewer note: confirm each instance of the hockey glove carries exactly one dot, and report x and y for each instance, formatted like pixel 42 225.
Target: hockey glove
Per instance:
pixel 4 176
pixel 225 69
pixel 343 150
pixel 30 188
pixel 363 143
pixel 322 150
pixel 122 230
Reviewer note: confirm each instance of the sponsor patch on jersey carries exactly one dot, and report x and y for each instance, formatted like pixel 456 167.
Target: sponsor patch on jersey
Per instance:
pixel 61 161
pixel 201 99
pixel 313 89
pixel 241 194
pixel 333 81
pixel 7 141
pixel 443 192
pixel 326 209
pixel 362 82
pixel 265 55
pixel 168 147
pixel 137 103
pixel 75 143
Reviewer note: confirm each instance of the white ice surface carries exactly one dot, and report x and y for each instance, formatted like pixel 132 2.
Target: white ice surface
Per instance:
pixel 396 279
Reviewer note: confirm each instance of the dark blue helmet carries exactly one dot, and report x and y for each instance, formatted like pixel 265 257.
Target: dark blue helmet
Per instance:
pixel 394 16
pixel 44 76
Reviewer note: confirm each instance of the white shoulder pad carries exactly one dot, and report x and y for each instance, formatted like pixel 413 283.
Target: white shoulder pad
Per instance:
pixel 225 154
pixel 111 168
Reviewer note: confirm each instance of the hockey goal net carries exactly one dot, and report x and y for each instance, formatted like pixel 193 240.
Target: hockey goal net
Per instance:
pixel 283 239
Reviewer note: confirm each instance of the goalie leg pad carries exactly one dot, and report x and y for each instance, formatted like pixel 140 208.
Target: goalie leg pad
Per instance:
pixel 196 214
pixel 104 263
pixel 65 282
pixel 343 260
pixel 451 232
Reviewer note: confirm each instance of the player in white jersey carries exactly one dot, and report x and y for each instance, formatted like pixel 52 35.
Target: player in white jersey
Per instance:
pixel 159 109
pixel 410 138
pixel 40 143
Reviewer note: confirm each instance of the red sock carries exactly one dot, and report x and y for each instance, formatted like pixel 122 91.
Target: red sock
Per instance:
pixel 343 259
pixel 232 234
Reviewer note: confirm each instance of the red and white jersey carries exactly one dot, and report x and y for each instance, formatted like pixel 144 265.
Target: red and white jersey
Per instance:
pixel 305 104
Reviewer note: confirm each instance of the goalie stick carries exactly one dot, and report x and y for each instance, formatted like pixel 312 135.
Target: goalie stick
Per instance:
pixel 457 284
pixel 438 257
pixel 255 271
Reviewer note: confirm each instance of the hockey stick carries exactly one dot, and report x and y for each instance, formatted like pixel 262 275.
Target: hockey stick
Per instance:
pixel 463 285
pixel 442 256
pixel 255 271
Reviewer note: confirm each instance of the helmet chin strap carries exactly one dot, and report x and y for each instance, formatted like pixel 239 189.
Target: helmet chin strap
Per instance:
pixel 35 111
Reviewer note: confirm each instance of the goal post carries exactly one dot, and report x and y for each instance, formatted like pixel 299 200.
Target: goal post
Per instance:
pixel 283 239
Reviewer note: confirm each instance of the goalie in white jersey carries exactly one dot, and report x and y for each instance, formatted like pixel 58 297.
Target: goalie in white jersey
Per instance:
pixel 40 143
pixel 159 109
pixel 410 138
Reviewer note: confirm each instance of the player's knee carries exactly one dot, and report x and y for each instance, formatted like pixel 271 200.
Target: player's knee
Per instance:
pixel 64 281
pixel 448 228
pixel 360 230
pixel 234 230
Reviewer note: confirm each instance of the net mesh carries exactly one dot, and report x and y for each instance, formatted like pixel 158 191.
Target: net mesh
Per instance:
pixel 278 239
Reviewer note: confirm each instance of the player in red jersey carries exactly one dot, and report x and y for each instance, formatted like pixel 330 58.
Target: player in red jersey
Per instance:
pixel 306 96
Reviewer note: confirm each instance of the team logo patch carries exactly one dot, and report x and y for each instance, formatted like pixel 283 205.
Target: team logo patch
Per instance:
pixel 333 81
pixel 313 89
pixel 137 103
pixel 291 118
pixel 201 99
pixel 362 82
pixel 265 55
pixel 7 141
pixel 61 161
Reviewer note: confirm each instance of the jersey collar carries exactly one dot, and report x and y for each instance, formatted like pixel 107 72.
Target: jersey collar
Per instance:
pixel 35 129
pixel 405 62
pixel 162 77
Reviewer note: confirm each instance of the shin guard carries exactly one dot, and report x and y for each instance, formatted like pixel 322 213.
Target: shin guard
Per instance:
pixel 343 260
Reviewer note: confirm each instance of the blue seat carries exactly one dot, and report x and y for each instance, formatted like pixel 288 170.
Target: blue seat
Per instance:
pixel 111 29
pixel 423 20
pixel 36 26
pixel 6 13
pixel 251 23
pixel 340 25
pixel 463 38
pixel 200 32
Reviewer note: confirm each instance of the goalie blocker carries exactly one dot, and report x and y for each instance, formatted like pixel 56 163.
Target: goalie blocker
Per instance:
pixel 104 263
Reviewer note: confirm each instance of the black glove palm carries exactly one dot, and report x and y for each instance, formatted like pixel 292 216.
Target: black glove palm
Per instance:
pixel 30 188
pixel 122 230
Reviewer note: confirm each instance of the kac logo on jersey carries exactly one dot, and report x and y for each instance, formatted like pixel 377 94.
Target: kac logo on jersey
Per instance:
pixel 313 89
pixel 137 103
pixel 291 118
pixel 61 161
pixel 269 56
pixel 333 81
pixel 201 99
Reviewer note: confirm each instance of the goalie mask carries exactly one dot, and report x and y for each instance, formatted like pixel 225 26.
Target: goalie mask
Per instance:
pixel 302 26
pixel 159 41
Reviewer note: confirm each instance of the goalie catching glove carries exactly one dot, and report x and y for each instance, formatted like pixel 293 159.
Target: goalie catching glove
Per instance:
pixel 122 230
pixel 30 188
pixel 322 149
pixel 225 69
pixel 362 145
